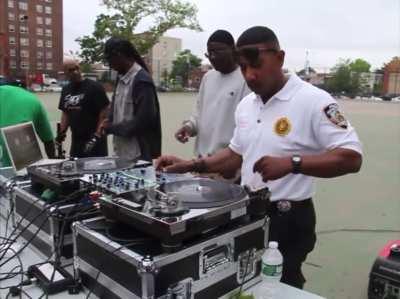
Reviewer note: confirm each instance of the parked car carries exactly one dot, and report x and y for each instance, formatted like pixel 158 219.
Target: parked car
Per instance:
pixel 3 80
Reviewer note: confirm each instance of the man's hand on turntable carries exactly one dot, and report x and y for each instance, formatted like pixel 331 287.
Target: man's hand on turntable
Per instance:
pixel 273 168
pixel 169 163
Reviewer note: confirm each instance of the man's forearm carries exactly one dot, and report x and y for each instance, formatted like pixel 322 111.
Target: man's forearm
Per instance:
pixel 64 123
pixel 331 164
pixel 225 162
pixel 49 147
pixel 102 116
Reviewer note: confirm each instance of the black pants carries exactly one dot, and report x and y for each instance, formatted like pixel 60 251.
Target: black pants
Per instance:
pixel 294 230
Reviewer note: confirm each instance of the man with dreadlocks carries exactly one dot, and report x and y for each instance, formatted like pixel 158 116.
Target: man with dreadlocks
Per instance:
pixel 134 118
pixel 287 132
pixel 221 89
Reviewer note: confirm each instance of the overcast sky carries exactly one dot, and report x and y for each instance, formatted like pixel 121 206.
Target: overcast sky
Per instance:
pixel 327 29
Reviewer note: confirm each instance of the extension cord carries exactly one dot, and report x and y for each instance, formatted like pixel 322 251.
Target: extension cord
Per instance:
pixel 15 247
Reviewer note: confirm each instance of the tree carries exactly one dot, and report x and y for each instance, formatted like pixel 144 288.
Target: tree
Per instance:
pixel 347 76
pixel 127 14
pixel 165 77
pixel 360 66
pixel 86 67
pixel 341 79
pixel 184 63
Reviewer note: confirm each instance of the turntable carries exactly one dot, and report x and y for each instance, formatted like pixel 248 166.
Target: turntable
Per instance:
pixel 185 208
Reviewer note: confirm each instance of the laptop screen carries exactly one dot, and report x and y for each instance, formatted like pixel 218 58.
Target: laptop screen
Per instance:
pixel 22 145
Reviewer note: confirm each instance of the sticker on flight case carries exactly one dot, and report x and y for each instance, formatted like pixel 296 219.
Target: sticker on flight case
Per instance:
pixel 283 126
pixel 335 116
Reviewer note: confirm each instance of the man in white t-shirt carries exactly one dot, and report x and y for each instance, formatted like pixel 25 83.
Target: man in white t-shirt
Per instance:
pixel 221 89
pixel 287 132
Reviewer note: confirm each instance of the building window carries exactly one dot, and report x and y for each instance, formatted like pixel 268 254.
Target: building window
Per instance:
pixel 11 3
pixel 39 55
pixel 49 44
pixel 23 29
pixel 39 20
pixel 39 8
pixel 24 41
pixel 39 43
pixel 47 9
pixel 48 32
pixel 49 55
pixel 49 66
pixel 24 53
pixel 11 40
pixel 39 31
pixel 23 18
pixel 39 65
pixel 48 21
pixel 13 64
pixel 11 27
pixel 13 52
pixel 24 65
pixel 11 16
pixel 23 5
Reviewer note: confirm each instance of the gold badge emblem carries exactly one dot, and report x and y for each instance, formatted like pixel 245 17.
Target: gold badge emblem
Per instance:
pixel 282 126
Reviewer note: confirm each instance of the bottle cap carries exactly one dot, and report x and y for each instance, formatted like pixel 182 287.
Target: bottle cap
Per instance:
pixel 273 245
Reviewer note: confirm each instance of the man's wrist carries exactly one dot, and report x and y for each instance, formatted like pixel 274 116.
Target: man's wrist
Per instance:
pixel 199 165
pixel 297 162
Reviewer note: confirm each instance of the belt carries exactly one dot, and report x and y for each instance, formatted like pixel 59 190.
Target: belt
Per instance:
pixel 284 205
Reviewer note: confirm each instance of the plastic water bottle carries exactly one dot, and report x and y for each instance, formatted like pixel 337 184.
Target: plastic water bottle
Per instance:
pixel 271 272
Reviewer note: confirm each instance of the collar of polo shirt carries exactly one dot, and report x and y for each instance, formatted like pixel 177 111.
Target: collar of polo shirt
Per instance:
pixel 288 90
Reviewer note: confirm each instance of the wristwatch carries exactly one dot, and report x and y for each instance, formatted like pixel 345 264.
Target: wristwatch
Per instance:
pixel 296 163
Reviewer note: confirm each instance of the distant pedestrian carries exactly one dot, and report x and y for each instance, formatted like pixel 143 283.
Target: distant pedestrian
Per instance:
pixel 84 105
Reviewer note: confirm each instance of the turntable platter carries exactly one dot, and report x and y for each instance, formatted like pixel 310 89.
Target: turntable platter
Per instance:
pixel 102 164
pixel 205 193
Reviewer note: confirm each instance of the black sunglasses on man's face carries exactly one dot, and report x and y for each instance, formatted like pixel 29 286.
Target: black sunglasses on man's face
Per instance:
pixel 216 52
pixel 252 54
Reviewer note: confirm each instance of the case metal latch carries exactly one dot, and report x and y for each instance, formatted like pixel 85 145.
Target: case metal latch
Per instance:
pixel 181 290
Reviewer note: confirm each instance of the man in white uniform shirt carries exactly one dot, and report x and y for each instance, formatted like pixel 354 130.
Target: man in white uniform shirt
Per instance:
pixel 221 89
pixel 287 132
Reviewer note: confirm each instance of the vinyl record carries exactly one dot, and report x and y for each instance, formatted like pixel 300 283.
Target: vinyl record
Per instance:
pixel 205 193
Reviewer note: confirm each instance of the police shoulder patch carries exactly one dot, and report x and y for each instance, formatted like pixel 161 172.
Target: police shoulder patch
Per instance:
pixel 333 113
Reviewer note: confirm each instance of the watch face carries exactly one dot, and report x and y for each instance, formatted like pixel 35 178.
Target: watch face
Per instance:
pixel 296 159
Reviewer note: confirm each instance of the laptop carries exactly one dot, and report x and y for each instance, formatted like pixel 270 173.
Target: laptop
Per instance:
pixel 23 147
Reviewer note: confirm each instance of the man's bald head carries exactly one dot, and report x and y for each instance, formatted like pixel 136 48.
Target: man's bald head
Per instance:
pixel 72 70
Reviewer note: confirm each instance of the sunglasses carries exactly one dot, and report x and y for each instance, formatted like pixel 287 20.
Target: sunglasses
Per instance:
pixel 252 55
pixel 216 52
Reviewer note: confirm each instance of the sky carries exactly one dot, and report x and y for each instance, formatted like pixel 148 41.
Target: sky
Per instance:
pixel 326 29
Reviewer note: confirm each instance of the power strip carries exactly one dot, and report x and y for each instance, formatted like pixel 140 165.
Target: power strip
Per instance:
pixel 52 279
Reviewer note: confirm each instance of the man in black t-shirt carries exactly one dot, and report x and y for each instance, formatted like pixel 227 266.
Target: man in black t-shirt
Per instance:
pixel 84 105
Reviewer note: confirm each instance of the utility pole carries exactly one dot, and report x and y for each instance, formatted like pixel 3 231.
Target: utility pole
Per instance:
pixel 307 65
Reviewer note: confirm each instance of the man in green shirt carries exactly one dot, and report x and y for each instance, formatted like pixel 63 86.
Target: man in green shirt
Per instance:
pixel 18 106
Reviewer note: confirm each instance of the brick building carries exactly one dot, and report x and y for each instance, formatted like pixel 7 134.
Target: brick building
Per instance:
pixel 391 77
pixel 31 38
